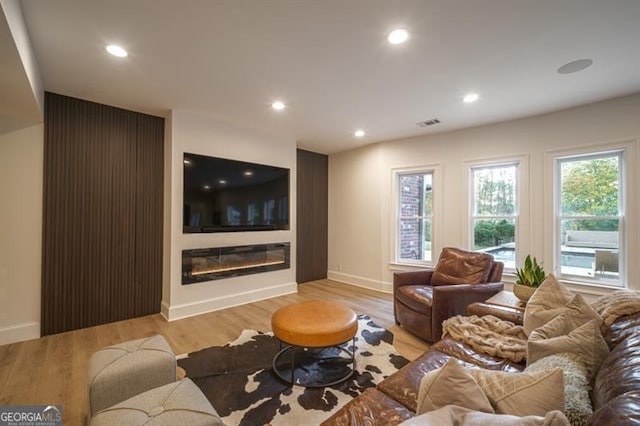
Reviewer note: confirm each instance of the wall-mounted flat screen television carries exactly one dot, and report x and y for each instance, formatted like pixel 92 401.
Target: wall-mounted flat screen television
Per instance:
pixel 222 195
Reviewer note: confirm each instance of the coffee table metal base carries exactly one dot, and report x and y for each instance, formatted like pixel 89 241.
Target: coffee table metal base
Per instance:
pixel 315 367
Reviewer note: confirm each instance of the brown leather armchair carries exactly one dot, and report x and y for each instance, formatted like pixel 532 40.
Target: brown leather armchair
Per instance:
pixel 423 299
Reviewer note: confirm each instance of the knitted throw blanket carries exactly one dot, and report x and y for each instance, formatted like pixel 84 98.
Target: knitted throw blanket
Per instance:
pixel 614 305
pixel 489 335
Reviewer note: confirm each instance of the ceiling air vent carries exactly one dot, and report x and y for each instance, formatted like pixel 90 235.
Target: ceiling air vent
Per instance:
pixel 429 122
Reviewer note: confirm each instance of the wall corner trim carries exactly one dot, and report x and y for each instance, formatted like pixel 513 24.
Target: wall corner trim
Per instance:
pixel 164 310
pixel 19 332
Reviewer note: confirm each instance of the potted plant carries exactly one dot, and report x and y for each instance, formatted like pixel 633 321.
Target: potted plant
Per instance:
pixel 529 278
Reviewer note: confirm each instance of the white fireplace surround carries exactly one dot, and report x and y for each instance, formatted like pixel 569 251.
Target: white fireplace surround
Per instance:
pixel 196 133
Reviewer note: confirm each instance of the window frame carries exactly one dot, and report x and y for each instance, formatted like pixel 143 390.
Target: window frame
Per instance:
pixel 622 153
pixel 521 219
pixel 396 173
pixel 474 217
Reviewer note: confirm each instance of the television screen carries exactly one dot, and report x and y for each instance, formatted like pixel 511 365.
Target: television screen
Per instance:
pixel 222 195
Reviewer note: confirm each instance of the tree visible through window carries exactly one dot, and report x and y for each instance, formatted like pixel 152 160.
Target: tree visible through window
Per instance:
pixel 590 216
pixel 415 216
pixel 494 211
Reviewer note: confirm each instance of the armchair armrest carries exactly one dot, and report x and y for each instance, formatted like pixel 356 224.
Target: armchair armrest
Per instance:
pixel 452 300
pixel 422 277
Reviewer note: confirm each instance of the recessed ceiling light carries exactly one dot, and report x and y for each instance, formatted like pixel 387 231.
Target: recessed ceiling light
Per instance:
pixel 575 66
pixel 471 97
pixel 116 50
pixel 206 187
pixel 359 133
pixel 222 181
pixel 398 36
pixel 277 105
pixel 248 173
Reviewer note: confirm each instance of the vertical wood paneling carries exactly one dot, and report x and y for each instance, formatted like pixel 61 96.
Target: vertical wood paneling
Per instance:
pixel 102 226
pixel 312 216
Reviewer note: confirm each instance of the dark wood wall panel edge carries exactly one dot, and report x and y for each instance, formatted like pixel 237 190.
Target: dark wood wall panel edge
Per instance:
pixel 312 216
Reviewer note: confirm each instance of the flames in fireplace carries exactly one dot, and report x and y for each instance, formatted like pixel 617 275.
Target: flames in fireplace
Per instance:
pixel 209 270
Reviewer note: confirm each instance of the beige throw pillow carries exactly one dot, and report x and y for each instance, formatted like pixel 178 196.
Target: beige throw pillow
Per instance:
pixel 452 415
pixel 547 302
pixel 578 312
pixel 575 313
pixel 522 394
pixel 586 342
pixel 576 330
pixel 451 384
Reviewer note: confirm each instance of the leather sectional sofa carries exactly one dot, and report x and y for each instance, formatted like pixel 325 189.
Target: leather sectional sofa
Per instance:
pixel 615 394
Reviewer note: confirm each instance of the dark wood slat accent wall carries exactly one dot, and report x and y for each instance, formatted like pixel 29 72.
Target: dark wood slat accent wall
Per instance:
pixel 102 219
pixel 312 216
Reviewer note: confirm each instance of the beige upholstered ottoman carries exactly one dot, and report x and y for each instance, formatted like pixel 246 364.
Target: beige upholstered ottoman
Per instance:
pixel 175 404
pixel 125 370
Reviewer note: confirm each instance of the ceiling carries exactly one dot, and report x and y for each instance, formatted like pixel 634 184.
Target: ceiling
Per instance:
pixel 329 61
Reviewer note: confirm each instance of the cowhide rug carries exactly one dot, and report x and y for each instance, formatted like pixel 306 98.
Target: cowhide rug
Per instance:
pixel 238 380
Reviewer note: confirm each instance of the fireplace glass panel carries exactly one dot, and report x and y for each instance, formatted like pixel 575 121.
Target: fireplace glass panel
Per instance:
pixel 224 262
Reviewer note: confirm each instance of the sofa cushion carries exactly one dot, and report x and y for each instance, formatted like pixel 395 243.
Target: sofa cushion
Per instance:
pixel 457 266
pixel 547 302
pixel 622 329
pixel 369 408
pixel 522 394
pixel 416 297
pixel 127 369
pixel 451 384
pixel 577 403
pixel 623 409
pixel 618 373
pixel 176 404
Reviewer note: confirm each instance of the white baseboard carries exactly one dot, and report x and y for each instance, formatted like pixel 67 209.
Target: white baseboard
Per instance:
pixel 360 281
pixel 19 332
pixel 176 312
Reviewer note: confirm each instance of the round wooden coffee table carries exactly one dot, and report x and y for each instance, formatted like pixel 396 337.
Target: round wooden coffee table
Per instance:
pixel 312 333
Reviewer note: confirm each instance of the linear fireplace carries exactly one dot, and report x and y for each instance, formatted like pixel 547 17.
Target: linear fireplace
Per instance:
pixel 208 264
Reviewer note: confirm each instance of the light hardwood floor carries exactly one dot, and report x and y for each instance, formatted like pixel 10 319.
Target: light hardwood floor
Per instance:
pixel 53 369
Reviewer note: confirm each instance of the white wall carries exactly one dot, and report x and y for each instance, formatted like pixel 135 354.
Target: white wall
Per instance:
pixel 361 205
pixel 21 160
pixel 199 134
pixel 356 225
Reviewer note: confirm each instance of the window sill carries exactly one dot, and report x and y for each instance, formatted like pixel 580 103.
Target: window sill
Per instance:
pixel 591 289
pixel 595 289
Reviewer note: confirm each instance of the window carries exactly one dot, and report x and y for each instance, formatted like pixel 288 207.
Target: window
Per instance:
pixel 494 211
pixel 590 217
pixel 415 216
